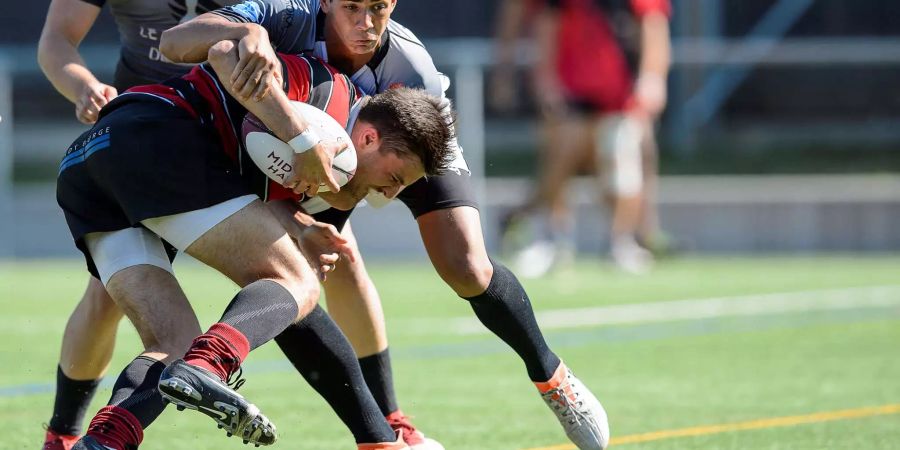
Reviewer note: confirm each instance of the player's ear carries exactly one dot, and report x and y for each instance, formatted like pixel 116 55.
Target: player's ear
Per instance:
pixel 325 5
pixel 372 137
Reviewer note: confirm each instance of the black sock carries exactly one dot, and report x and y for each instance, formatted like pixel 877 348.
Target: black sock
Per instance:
pixel 376 369
pixel 261 310
pixel 135 390
pixel 504 308
pixel 322 354
pixel 72 399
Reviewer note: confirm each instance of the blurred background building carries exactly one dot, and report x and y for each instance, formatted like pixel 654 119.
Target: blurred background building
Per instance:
pixel 782 131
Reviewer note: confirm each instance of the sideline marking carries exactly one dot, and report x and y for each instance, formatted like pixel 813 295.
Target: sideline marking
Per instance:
pixel 705 308
pixel 758 424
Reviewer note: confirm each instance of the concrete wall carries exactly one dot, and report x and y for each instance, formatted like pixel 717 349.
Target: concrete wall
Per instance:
pixel 707 214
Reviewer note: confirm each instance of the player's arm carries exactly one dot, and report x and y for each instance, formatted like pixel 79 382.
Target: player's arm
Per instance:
pixel 313 157
pixel 321 243
pixel 656 57
pixel 547 88
pixel 503 81
pixel 246 23
pixel 67 23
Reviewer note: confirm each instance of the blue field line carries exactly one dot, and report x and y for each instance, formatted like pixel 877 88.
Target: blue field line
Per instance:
pixel 571 339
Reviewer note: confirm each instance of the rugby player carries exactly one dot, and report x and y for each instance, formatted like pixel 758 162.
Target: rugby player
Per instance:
pixel 164 162
pixel 90 332
pixel 91 329
pixel 599 97
pixel 358 38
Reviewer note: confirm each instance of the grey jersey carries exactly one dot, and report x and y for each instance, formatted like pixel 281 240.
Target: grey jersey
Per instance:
pixel 295 26
pixel 140 23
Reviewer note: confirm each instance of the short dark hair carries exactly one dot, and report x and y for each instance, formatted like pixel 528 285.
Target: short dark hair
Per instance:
pixel 413 123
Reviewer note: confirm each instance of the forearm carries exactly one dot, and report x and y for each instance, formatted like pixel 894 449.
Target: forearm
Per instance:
pixel 274 110
pixel 656 49
pixel 190 42
pixel 64 67
pixel 545 36
pixel 508 25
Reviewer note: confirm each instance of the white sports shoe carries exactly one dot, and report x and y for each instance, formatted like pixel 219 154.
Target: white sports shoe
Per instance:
pixel 630 257
pixel 578 411
pixel 535 260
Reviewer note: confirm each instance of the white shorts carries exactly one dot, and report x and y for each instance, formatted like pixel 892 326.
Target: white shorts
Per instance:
pixel 121 249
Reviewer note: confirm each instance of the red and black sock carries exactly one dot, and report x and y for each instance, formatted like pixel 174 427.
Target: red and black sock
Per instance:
pixel 116 428
pixel 258 313
pixel 504 308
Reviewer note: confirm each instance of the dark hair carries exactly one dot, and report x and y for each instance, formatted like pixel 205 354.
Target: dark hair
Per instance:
pixel 413 123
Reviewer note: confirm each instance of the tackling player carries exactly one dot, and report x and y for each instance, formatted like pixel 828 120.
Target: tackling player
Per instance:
pixel 359 38
pixel 132 180
pixel 91 329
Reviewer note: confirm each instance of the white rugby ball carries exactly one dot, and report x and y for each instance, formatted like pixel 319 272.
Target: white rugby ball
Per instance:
pixel 275 157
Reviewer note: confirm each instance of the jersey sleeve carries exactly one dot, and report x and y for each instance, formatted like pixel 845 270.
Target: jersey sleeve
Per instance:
pixel 290 23
pixel 644 7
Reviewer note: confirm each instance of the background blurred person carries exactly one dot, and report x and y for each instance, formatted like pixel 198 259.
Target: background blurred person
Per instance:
pixel 91 330
pixel 599 82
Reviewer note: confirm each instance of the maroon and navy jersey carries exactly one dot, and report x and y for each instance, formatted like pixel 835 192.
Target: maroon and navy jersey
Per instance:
pixel 306 79
pixel 597 47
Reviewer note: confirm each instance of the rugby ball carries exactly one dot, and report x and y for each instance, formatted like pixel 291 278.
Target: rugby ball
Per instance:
pixel 274 157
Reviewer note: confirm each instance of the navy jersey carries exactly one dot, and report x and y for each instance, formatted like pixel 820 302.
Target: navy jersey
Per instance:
pixel 306 79
pixel 141 23
pixel 296 26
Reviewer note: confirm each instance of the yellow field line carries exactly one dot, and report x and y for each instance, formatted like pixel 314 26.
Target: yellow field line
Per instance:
pixel 758 424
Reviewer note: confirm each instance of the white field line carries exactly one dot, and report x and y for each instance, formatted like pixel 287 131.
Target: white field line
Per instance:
pixel 694 309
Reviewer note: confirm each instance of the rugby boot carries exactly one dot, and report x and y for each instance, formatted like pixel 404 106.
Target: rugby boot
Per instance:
pixel 56 441
pixel 189 386
pixel 579 412
pixel 89 443
pixel 404 427
pixel 397 445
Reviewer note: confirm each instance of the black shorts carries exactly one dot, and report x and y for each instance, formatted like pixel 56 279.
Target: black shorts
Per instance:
pixel 143 158
pixel 448 190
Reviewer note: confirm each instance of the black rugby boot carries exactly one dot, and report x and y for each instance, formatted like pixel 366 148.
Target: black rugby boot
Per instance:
pixel 189 386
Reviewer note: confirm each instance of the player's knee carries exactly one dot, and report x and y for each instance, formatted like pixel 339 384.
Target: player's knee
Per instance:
pixel 291 272
pixel 619 140
pixel 99 305
pixel 469 275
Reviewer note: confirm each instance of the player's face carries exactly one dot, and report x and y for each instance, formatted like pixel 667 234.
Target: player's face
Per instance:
pixel 359 23
pixel 379 169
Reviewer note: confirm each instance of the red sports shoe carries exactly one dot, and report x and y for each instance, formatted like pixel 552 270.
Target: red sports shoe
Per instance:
pixel 54 441
pixel 414 438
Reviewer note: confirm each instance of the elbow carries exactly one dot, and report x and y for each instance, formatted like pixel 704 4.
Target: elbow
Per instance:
pixel 44 55
pixel 167 46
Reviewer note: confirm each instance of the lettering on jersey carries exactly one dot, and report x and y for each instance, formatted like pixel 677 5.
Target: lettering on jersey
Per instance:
pixel 278 166
pixel 155 55
pixel 149 33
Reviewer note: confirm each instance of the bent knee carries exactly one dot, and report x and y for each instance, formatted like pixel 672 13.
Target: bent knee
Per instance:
pixel 98 304
pixel 468 275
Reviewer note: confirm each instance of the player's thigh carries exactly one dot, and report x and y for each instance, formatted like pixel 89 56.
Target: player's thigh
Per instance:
pixel 136 272
pixel 247 245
